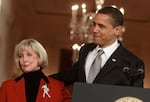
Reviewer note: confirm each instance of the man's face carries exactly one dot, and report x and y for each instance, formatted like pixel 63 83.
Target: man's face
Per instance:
pixel 104 33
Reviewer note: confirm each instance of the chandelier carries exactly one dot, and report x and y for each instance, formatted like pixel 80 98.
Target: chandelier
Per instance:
pixel 80 25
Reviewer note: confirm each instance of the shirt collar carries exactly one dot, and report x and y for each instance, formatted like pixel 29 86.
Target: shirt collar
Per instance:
pixel 110 49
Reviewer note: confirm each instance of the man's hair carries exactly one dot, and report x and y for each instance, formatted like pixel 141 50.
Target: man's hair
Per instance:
pixel 115 13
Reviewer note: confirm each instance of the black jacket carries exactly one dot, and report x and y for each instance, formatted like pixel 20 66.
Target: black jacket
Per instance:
pixel 122 68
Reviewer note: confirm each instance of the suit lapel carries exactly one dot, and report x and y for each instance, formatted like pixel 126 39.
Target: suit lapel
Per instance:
pixel 114 60
pixel 84 52
pixel 20 90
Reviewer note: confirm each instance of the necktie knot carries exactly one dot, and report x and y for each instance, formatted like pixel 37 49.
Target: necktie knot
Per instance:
pixel 100 52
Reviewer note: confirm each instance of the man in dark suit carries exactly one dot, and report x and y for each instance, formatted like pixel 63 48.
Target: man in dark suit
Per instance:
pixel 119 66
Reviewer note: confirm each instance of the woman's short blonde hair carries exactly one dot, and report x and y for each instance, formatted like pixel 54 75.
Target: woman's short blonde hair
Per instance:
pixel 37 48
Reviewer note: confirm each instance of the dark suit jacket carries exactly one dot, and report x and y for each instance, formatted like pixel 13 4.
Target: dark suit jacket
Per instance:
pixel 122 68
pixel 12 91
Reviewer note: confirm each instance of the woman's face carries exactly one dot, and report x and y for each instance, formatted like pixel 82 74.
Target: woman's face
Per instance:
pixel 28 60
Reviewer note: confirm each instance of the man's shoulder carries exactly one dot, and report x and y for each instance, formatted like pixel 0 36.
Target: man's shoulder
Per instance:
pixel 128 53
pixel 88 46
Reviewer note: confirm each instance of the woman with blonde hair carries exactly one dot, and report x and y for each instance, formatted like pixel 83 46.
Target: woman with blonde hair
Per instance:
pixel 32 86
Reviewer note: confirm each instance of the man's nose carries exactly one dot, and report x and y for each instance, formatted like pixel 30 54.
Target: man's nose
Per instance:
pixel 95 28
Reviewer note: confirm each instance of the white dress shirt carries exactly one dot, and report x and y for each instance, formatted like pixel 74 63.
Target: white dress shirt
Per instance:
pixel 105 56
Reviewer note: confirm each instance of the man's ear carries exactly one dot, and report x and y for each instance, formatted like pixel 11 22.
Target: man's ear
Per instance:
pixel 119 30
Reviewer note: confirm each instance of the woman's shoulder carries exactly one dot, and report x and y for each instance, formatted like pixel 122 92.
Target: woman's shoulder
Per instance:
pixel 8 82
pixel 55 81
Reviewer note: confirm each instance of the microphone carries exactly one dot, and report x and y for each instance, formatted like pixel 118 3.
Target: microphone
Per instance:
pixel 126 69
pixel 133 73
pixel 141 72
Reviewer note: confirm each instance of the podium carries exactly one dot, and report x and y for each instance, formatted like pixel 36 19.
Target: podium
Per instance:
pixel 83 92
